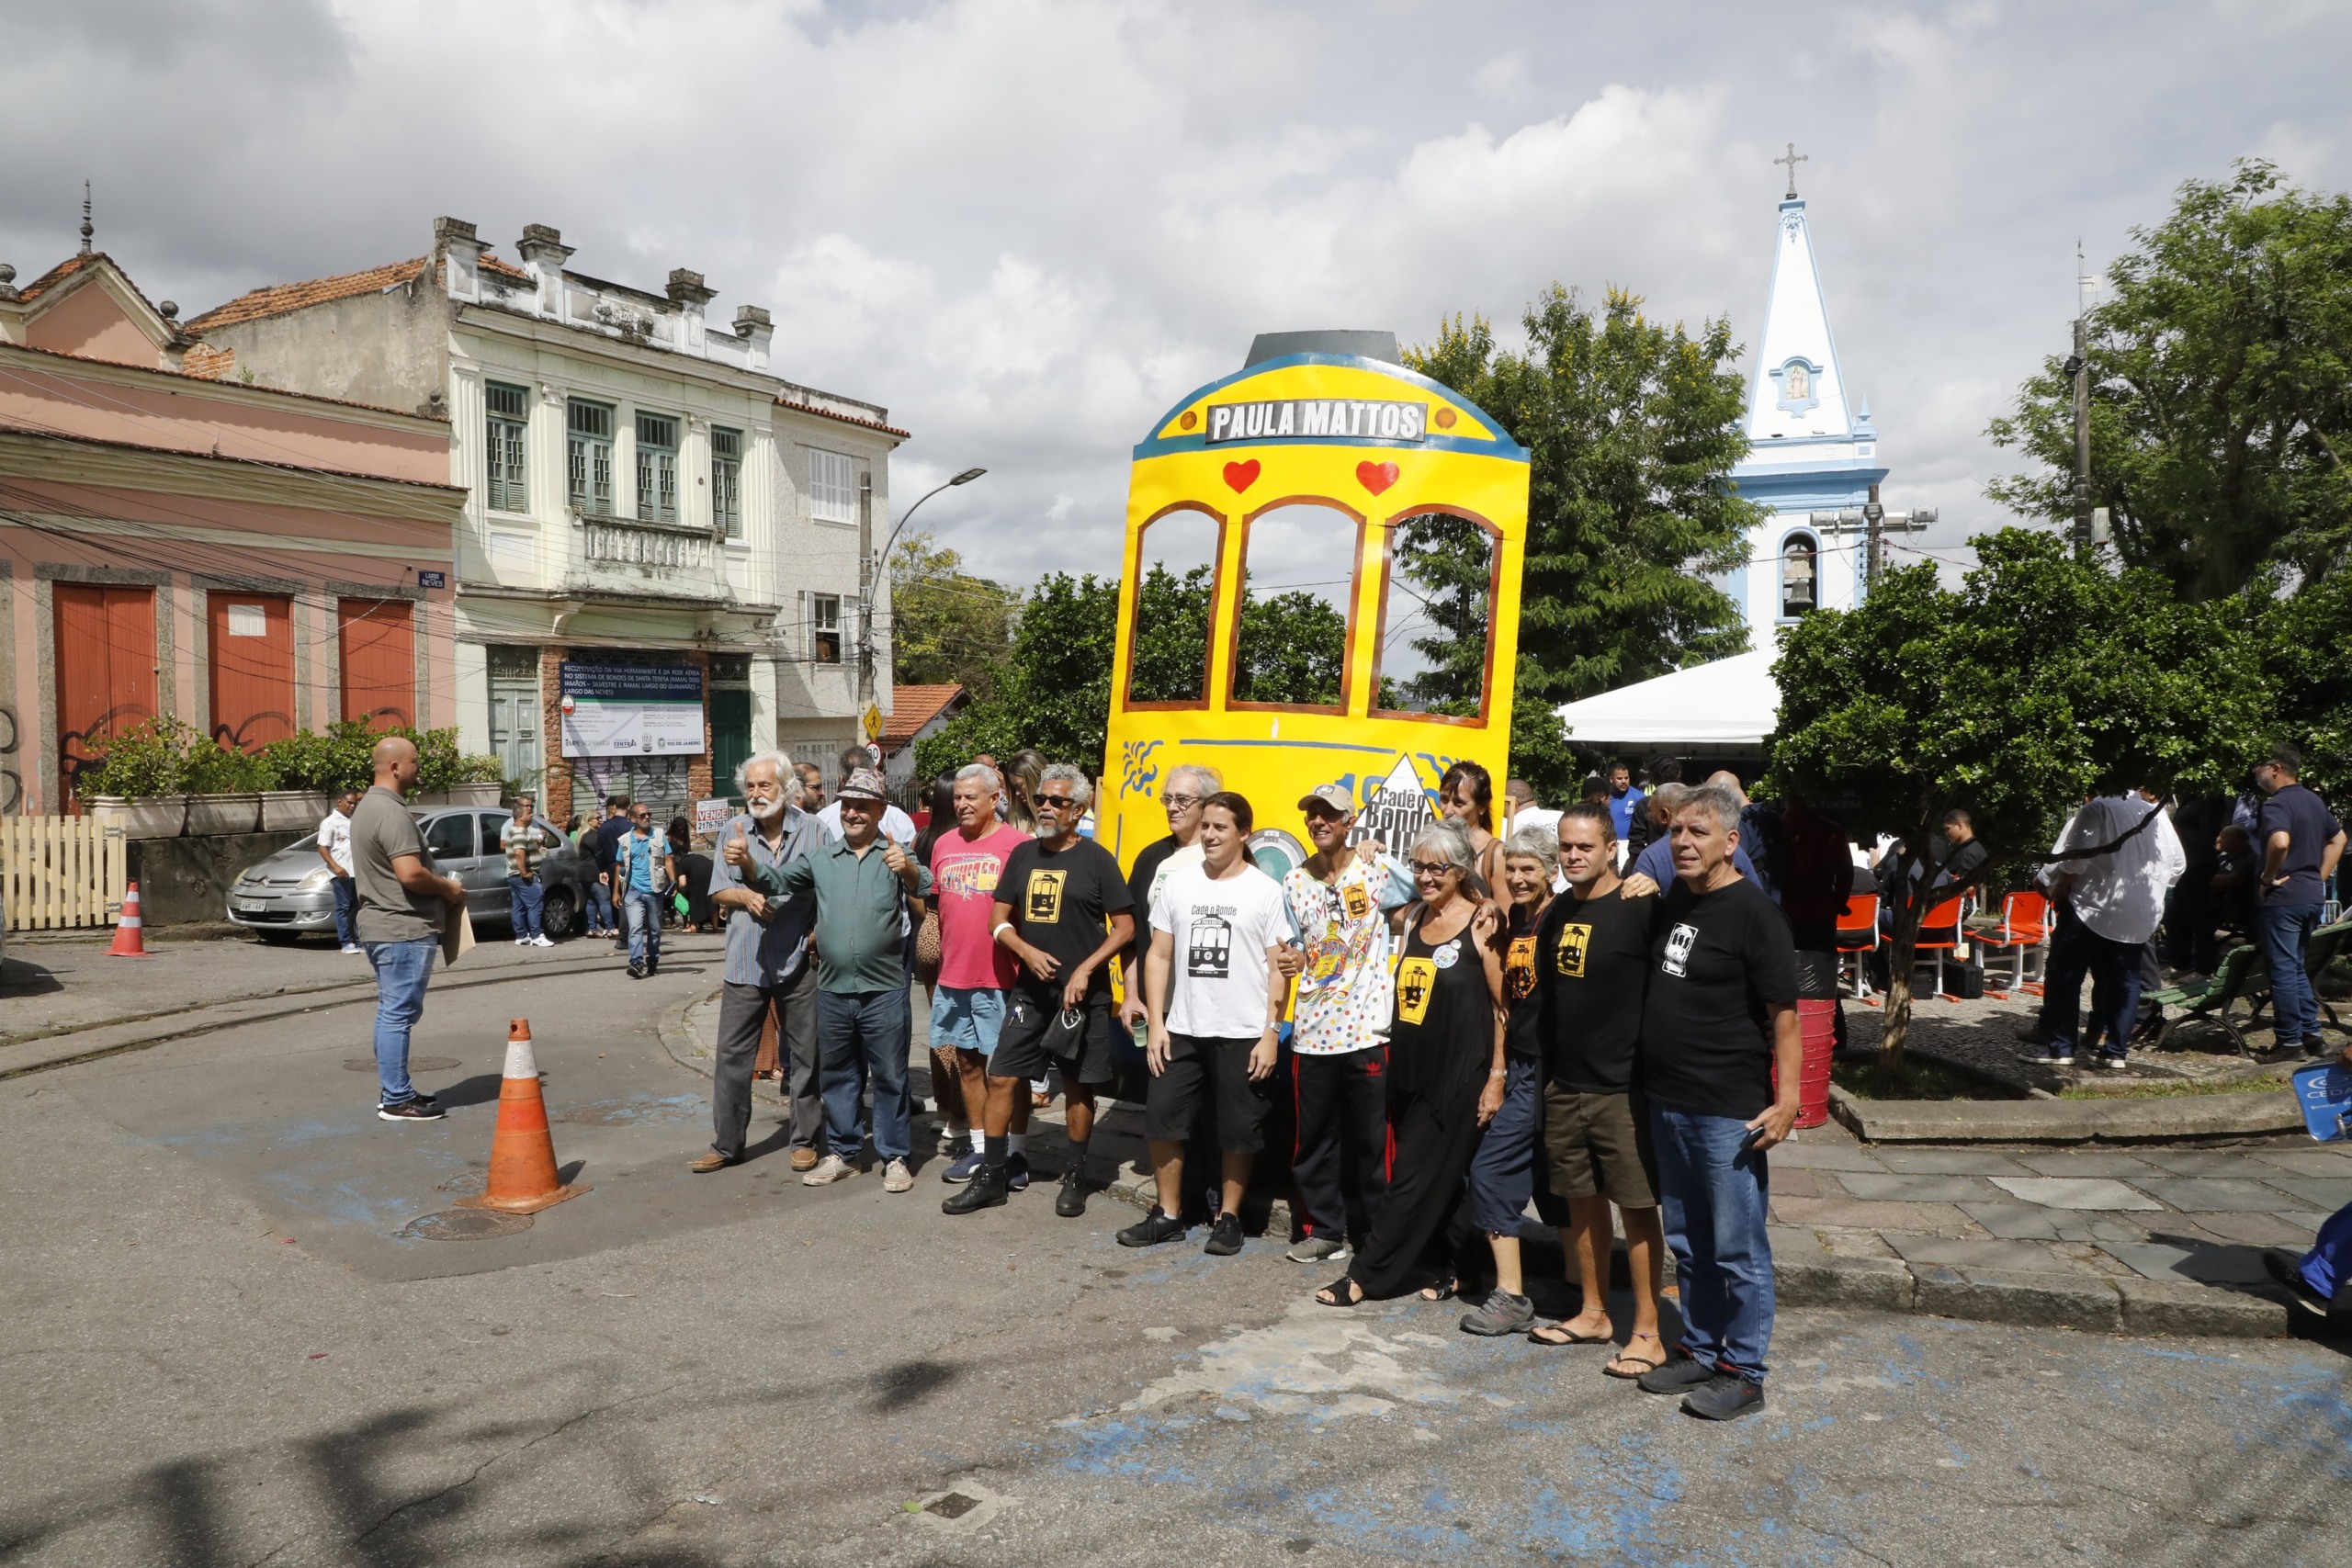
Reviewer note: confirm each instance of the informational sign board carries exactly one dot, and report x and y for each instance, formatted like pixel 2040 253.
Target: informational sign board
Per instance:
pixel 630 710
pixel 710 816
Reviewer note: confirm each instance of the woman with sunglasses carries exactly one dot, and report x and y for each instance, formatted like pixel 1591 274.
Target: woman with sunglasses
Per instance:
pixel 1445 1074
pixel 1465 797
pixel 1188 785
pixel 1504 1173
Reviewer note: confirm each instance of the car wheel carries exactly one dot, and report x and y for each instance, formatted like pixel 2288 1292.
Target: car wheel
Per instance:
pixel 560 916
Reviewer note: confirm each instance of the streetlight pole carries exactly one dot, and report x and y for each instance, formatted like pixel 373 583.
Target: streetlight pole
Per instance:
pixel 2080 367
pixel 869 578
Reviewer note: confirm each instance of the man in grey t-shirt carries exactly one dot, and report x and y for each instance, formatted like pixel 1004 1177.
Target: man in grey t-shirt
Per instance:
pixel 402 906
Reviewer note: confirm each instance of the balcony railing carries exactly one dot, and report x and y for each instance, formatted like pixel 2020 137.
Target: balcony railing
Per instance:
pixel 617 555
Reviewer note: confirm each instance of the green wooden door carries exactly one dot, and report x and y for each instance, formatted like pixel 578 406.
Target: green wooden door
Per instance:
pixel 731 736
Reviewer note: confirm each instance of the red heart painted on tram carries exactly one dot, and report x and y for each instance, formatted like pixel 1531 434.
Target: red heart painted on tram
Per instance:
pixel 1241 476
pixel 1375 477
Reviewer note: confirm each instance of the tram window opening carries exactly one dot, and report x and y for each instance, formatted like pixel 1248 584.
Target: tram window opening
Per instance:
pixel 1440 604
pixel 1175 593
pixel 1298 585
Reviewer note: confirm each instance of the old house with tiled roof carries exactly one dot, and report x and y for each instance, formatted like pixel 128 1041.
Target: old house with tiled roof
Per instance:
pixel 250 561
pixel 658 569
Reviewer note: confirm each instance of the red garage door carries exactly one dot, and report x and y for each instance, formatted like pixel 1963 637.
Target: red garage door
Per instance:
pixel 252 668
pixel 379 661
pixel 106 668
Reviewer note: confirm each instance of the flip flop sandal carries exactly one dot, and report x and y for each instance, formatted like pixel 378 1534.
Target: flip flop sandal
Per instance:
pixel 1609 1370
pixel 1537 1333
pixel 1342 1292
pixel 1444 1291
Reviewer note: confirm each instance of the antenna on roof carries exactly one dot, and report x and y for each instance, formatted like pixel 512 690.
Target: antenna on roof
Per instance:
pixel 87 230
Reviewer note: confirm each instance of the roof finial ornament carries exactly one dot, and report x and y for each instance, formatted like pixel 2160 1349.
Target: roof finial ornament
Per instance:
pixel 87 230
pixel 1792 160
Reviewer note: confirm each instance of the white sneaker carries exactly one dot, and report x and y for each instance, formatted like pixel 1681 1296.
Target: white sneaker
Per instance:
pixel 832 1168
pixel 896 1177
pixel 354 947
pixel 522 941
pixel 542 941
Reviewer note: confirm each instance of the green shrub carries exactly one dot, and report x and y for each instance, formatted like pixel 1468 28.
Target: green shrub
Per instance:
pixel 167 756
pixel 148 760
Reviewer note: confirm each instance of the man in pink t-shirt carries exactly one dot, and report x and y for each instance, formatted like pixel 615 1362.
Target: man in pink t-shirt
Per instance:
pixel 967 1002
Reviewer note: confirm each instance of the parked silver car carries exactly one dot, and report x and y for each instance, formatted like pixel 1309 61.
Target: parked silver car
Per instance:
pixel 286 895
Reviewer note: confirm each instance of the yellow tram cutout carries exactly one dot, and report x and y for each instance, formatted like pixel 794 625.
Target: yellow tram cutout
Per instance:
pixel 1320 586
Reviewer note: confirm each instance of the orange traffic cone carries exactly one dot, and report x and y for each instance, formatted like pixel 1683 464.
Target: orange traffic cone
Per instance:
pixel 129 937
pixel 522 1152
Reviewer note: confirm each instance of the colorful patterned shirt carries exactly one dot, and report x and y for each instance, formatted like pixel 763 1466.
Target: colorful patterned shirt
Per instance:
pixel 1346 991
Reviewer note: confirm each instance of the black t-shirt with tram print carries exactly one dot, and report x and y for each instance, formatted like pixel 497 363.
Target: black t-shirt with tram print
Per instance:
pixel 1060 901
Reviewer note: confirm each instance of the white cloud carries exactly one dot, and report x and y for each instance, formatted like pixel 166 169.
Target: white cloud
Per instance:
pixel 1028 226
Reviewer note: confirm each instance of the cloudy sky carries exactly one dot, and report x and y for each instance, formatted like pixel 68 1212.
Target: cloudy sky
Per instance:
pixel 1028 226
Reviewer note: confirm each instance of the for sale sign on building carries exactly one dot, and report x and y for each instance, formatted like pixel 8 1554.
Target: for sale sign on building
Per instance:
pixel 631 710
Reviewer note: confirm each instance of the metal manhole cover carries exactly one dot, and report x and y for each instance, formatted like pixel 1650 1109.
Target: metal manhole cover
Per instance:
pixel 464 1225
pixel 416 1063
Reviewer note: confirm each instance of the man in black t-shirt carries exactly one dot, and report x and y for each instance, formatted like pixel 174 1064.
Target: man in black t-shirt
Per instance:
pixel 1719 1020
pixel 1592 953
pixel 1062 910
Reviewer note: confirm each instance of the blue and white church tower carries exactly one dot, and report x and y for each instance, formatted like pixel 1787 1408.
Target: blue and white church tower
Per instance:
pixel 1809 451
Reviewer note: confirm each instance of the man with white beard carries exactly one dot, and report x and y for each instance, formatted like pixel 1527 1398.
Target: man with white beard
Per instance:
pixel 767 962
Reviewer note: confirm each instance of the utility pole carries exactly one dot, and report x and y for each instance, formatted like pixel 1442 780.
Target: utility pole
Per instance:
pixel 869 574
pixel 1873 516
pixel 2082 368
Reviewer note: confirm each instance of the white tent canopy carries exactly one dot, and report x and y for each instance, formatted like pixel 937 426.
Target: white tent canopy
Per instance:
pixel 1730 703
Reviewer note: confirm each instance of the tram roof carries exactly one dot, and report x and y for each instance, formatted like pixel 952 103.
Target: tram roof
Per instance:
pixel 1306 377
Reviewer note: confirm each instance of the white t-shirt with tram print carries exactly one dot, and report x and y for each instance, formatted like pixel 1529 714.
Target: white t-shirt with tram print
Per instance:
pixel 1219 932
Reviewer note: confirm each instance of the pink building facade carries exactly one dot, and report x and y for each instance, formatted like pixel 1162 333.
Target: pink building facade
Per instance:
pixel 254 562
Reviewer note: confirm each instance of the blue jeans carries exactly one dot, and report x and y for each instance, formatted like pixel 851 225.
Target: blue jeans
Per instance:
pixel 526 895
pixel 402 970
pixel 600 908
pixel 2076 951
pixel 2327 1267
pixel 1713 1194
pixel 2285 933
pixel 1508 1170
pixel 862 1035
pixel 346 910
pixel 642 911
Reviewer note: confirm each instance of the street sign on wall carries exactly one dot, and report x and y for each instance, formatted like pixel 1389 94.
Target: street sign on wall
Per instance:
pixel 631 710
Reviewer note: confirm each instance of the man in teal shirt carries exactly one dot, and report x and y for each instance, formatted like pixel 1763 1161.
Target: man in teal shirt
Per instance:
pixel 862 883
pixel 644 872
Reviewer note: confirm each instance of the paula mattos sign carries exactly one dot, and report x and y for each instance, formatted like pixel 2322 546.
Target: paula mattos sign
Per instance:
pixel 1320 418
pixel 631 710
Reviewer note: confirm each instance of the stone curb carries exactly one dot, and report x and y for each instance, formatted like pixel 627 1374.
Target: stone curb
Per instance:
pixel 679 1042
pixel 2241 1114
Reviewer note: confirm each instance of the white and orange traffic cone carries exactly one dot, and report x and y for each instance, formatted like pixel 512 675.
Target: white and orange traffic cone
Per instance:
pixel 523 1178
pixel 129 931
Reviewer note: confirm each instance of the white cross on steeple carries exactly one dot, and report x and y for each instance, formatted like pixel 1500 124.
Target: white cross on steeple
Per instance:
pixel 1792 160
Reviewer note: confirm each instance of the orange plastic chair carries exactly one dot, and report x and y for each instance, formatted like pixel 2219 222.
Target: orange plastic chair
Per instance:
pixel 1857 934
pixel 1940 932
pixel 2024 927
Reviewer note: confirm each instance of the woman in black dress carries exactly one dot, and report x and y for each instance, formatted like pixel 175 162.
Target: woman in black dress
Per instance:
pixel 1445 1073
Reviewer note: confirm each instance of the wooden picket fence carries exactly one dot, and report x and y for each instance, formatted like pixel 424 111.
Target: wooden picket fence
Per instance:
pixel 60 872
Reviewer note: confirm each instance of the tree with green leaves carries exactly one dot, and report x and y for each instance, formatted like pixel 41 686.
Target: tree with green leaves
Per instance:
pixel 2220 373
pixel 2040 682
pixel 1632 427
pixel 948 626
pixel 2306 639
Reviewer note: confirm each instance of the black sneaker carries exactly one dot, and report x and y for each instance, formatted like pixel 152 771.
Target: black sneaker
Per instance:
pixel 2315 1047
pixel 1070 1202
pixel 636 971
pixel 1016 1173
pixel 1726 1396
pixel 1679 1375
pixel 1225 1236
pixel 985 1190
pixel 1152 1229
pixel 420 1097
pixel 417 1110
pixel 652 967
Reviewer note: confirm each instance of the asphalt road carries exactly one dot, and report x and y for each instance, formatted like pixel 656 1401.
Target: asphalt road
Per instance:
pixel 222 1349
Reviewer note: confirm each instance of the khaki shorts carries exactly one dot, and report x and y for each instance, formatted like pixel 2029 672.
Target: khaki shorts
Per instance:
pixel 1598 1146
